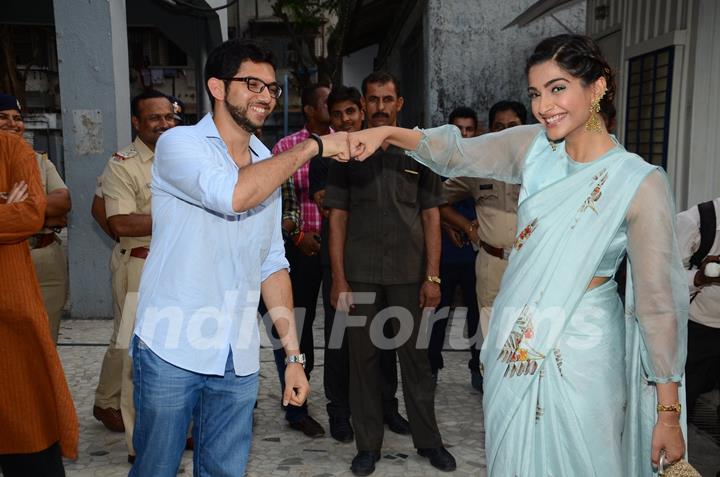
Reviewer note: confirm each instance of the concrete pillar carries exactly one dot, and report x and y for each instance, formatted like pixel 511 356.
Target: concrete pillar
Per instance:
pixel 95 92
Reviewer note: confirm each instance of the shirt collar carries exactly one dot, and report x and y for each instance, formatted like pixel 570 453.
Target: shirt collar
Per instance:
pixel 145 152
pixel 208 128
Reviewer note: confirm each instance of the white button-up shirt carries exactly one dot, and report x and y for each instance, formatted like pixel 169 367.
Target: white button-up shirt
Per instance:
pixel 705 308
pixel 200 286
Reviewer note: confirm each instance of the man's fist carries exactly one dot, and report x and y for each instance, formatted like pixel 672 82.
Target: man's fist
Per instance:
pixel 336 146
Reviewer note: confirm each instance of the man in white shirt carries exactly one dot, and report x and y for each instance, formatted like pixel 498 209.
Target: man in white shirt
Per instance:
pixel 216 248
pixel 702 370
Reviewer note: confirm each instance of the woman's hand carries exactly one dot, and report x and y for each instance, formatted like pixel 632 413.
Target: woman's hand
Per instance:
pixel 364 143
pixel 667 437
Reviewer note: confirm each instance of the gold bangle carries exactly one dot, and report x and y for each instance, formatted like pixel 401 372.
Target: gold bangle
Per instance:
pixel 677 407
pixel 434 279
pixel 671 426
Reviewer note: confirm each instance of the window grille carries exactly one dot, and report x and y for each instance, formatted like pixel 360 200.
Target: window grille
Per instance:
pixel 648 105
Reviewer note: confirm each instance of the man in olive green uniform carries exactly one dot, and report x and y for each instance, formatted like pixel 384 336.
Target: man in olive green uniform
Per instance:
pixel 496 207
pixel 125 185
pixel 46 251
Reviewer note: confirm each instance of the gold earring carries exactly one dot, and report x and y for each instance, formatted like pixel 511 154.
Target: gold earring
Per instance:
pixel 593 122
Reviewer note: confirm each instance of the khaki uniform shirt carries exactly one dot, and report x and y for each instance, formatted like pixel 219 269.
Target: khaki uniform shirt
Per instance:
pixel 125 184
pixel 50 179
pixel 495 204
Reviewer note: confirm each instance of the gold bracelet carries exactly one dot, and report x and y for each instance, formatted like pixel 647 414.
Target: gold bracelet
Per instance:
pixel 671 426
pixel 433 279
pixel 677 407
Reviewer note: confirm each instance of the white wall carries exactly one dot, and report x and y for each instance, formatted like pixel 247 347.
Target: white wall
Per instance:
pixel 358 65
pixel 704 156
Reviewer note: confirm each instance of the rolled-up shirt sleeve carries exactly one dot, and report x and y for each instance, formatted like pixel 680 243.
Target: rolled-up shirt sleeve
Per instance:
pixel 188 168
pixel 275 259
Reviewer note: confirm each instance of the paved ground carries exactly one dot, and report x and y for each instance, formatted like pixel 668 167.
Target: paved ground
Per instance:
pixel 279 451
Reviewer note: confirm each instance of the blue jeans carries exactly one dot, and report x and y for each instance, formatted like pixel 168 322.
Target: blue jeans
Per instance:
pixel 166 397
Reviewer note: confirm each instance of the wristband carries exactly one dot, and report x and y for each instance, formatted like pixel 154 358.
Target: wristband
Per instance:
pixel 319 142
pixel 298 238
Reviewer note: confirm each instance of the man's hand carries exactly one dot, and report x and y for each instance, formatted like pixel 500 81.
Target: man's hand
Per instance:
pixel 319 199
pixel 18 193
pixel 335 146
pixel 454 236
pixel 309 245
pixel 341 296
pixel 429 294
pixel 364 143
pixel 297 387
pixel 701 279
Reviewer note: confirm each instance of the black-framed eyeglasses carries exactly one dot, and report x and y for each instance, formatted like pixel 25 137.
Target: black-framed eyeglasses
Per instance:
pixel 256 85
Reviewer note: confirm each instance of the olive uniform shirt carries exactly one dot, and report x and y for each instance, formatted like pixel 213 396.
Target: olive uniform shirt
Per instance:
pixel 384 195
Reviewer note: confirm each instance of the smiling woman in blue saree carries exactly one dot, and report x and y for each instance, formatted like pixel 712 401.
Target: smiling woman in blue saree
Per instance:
pixel 575 384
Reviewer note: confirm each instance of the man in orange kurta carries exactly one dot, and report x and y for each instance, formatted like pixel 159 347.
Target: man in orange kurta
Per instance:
pixel 37 415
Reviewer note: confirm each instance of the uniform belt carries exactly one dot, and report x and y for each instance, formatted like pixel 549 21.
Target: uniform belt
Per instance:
pixel 138 252
pixel 494 251
pixel 41 240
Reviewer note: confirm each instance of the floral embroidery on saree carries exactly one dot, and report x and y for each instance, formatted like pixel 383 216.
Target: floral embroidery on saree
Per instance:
pixel 591 201
pixel 520 357
pixel 558 360
pixel 525 234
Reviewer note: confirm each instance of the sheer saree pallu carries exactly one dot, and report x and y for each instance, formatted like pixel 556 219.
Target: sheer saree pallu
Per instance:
pixel 569 377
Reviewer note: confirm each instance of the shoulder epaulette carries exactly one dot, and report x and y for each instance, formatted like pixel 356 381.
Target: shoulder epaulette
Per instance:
pixel 125 154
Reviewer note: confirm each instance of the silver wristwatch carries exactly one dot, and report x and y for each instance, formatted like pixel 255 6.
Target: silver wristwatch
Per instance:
pixel 296 358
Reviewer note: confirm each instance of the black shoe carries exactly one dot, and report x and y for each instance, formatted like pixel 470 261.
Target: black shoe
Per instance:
pixel 476 380
pixel 397 424
pixel 341 430
pixel 131 459
pixel 364 462
pixel 308 426
pixel 440 458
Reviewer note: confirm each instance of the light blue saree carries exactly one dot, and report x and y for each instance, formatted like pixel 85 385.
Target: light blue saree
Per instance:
pixel 569 374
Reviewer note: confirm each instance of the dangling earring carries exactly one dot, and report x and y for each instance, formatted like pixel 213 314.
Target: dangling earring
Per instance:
pixel 593 122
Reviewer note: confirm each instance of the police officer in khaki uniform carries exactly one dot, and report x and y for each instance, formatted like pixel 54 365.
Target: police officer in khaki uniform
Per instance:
pixel 46 250
pixel 125 185
pixel 496 207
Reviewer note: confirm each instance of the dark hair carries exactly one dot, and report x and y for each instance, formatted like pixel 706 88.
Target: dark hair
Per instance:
pixel 463 112
pixel 344 93
pixel 381 77
pixel 517 108
pixel 581 57
pixel 309 96
pixel 149 94
pixel 225 60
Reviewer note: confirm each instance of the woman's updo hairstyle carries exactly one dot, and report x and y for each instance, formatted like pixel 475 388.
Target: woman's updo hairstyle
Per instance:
pixel 580 56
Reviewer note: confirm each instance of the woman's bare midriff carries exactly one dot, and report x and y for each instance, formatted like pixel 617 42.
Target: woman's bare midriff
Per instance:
pixel 597 281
